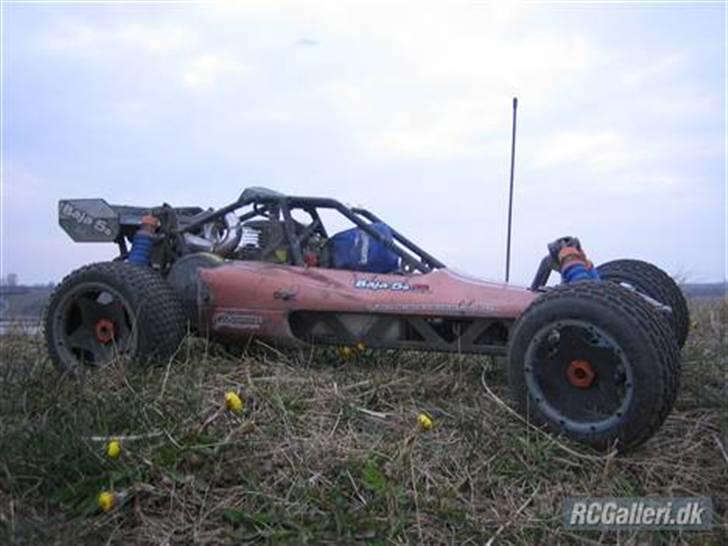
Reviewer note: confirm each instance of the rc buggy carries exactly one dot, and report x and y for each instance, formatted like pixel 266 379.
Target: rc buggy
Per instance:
pixel 595 358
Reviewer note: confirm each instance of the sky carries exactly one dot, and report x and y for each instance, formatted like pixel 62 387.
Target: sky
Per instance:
pixel 401 107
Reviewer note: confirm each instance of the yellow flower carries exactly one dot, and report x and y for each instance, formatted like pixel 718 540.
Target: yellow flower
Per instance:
pixel 107 499
pixel 424 421
pixel 113 449
pixel 345 352
pixel 360 346
pixel 233 402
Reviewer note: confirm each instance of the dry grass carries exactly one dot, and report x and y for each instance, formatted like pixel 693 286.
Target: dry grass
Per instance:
pixel 329 451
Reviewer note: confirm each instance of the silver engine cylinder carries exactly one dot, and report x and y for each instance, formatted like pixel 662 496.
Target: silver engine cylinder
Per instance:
pixel 221 238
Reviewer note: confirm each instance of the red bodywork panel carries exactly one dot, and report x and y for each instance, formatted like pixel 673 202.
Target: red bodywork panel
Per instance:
pixel 247 297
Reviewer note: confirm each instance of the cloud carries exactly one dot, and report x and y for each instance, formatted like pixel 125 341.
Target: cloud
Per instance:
pixel 171 44
pixel 68 36
pixel 600 151
pixel 659 69
pixel 129 113
pixel 203 71
pixel 430 82
pixel 456 129
pixel 85 39
pixel 437 88
pixel 155 39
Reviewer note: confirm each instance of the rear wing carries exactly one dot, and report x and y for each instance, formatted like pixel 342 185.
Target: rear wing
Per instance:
pixel 89 220
pixel 95 221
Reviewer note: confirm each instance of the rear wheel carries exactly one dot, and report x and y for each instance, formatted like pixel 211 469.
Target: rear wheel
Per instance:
pixel 655 283
pixel 107 310
pixel 595 362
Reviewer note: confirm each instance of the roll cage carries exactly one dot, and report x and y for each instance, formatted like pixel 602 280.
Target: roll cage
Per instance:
pixel 271 204
pixel 120 224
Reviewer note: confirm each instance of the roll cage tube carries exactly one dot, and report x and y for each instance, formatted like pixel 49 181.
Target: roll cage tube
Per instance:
pixel 265 201
pixel 542 274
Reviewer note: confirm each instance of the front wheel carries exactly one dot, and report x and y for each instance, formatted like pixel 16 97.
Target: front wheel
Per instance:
pixel 655 283
pixel 106 310
pixel 594 362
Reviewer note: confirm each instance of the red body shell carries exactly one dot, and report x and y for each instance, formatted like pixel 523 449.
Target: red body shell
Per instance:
pixel 248 297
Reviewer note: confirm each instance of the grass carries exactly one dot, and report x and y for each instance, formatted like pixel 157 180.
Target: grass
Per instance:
pixel 328 451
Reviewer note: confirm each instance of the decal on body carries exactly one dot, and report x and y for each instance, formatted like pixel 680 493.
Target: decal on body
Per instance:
pixel 434 307
pixel 238 321
pixel 395 286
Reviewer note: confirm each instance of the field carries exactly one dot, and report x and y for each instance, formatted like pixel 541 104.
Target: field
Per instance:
pixel 328 450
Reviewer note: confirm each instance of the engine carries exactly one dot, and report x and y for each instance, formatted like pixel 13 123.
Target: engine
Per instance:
pixel 259 240
pixel 266 240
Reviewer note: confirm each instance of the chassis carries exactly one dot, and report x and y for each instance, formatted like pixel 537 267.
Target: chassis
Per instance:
pixel 595 358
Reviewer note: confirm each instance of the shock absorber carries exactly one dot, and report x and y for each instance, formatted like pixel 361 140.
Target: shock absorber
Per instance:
pixel 141 246
pixel 574 265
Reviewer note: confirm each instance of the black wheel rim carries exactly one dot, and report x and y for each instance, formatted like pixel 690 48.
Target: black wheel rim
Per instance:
pixel 578 376
pixel 92 325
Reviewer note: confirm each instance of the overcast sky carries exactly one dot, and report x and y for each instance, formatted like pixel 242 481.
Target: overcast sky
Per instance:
pixel 404 108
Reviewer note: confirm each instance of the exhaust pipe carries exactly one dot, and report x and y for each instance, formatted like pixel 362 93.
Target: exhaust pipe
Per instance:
pixel 212 242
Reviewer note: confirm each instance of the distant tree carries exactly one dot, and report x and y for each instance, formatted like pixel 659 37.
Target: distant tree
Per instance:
pixel 12 279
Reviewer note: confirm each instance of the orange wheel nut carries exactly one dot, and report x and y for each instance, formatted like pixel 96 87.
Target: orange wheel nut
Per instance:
pixel 104 330
pixel 580 374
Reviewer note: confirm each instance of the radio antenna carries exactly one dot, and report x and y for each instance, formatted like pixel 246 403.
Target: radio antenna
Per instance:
pixel 510 194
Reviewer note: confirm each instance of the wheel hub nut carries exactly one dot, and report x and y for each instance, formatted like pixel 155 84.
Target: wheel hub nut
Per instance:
pixel 580 374
pixel 104 330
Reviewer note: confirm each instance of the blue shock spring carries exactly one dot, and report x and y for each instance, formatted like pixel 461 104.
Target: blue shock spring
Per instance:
pixel 578 272
pixel 141 248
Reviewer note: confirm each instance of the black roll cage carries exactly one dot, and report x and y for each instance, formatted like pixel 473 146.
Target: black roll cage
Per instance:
pixel 267 202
